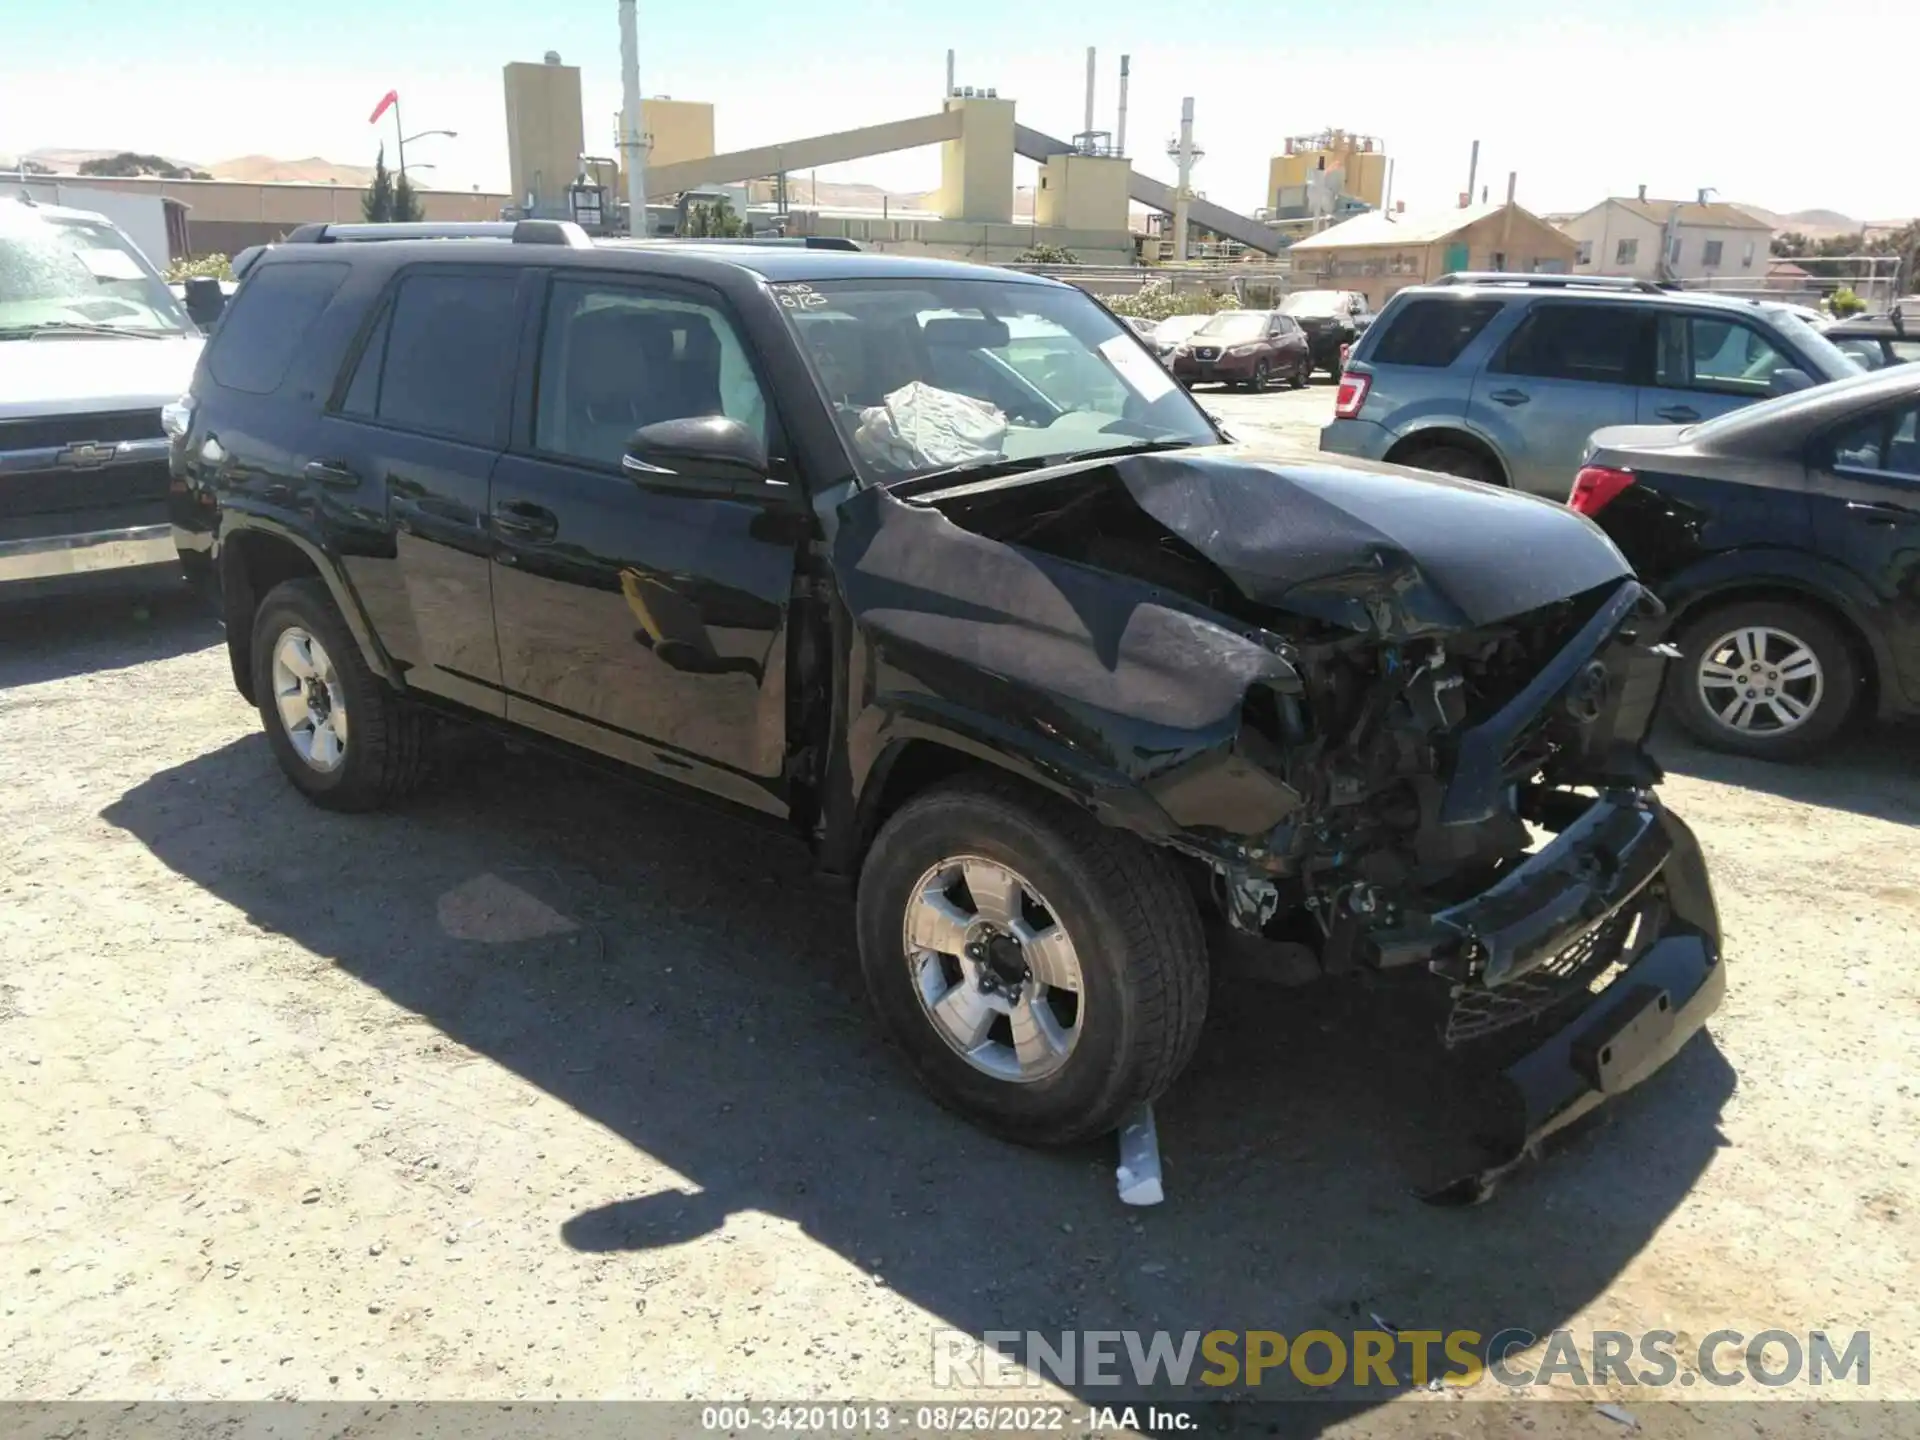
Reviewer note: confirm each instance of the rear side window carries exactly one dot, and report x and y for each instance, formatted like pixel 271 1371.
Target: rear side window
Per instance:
pixel 1599 343
pixel 448 356
pixel 1433 332
pixel 258 338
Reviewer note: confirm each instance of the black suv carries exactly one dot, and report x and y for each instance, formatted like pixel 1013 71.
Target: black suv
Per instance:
pixel 936 567
pixel 1332 320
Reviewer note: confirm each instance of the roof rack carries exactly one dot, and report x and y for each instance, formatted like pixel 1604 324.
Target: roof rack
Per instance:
pixel 1551 282
pixel 534 232
pixel 520 232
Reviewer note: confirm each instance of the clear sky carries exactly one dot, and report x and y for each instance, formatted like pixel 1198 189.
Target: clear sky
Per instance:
pixel 1776 104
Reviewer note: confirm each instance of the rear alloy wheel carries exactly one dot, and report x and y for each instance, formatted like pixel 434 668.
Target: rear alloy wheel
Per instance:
pixel 1453 460
pixel 1302 373
pixel 1770 679
pixel 342 735
pixel 1043 973
pixel 1262 372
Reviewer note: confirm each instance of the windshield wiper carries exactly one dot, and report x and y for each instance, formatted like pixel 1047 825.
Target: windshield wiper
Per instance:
pixel 990 468
pixel 80 327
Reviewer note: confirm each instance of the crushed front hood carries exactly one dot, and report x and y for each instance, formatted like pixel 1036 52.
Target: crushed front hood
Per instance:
pixel 1370 547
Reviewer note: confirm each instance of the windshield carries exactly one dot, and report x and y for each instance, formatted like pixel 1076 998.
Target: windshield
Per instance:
pixel 58 272
pixel 938 374
pixel 1815 346
pixel 1176 328
pixel 1313 302
pixel 1235 325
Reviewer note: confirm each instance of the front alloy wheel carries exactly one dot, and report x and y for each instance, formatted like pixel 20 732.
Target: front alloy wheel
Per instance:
pixel 996 972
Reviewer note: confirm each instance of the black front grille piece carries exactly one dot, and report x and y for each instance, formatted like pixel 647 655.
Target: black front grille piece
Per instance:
pixel 34 481
pixel 37 433
pixel 1584 968
pixel 54 492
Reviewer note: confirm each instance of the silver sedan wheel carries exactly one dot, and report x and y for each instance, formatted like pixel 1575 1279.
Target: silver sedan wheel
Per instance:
pixel 996 973
pixel 306 693
pixel 1760 681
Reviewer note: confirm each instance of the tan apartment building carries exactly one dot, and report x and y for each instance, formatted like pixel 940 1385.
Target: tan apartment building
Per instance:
pixel 1669 240
pixel 1379 253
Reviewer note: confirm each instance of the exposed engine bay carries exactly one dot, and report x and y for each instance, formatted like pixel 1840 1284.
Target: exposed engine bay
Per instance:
pixel 1399 717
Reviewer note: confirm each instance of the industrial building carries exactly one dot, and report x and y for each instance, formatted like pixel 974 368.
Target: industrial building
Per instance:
pixel 1082 203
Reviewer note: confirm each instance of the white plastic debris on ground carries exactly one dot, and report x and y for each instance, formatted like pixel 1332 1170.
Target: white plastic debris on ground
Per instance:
pixel 1138 1177
pixel 921 425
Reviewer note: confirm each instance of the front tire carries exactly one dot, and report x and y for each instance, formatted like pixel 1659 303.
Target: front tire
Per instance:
pixel 1766 678
pixel 341 735
pixel 1044 974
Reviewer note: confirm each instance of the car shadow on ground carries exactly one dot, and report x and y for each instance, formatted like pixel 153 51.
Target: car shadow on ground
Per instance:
pixel 714 1019
pixel 54 637
pixel 1867 771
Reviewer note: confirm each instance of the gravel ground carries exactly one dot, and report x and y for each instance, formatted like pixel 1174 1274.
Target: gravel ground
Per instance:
pixel 548 1088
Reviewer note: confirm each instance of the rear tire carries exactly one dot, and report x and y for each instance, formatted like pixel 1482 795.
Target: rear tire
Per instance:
pixel 1128 927
pixel 1767 678
pixel 1453 460
pixel 1302 373
pixel 1261 375
pixel 344 738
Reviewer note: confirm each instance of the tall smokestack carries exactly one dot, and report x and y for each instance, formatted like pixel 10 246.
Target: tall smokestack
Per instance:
pixel 949 89
pixel 633 152
pixel 1513 180
pixel 1386 194
pixel 1087 129
pixel 1473 171
pixel 1120 125
pixel 1184 193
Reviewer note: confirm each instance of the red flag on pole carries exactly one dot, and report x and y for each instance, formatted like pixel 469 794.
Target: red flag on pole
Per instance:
pixel 392 97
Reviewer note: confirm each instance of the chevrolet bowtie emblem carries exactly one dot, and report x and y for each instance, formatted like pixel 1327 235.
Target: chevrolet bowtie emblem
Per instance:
pixel 86 455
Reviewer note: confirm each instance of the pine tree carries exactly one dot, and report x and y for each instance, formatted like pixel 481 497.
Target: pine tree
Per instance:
pixel 406 204
pixel 377 203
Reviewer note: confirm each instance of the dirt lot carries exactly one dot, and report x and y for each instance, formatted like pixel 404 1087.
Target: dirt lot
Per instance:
pixel 547 1088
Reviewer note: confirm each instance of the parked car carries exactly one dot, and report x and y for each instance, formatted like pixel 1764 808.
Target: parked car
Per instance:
pixel 1877 341
pixel 1170 333
pixel 1331 319
pixel 1076 700
pixel 1785 538
pixel 1502 378
pixel 92 346
pixel 1141 326
pixel 1247 348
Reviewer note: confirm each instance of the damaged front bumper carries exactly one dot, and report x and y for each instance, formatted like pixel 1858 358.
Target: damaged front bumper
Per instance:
pixel 1613 921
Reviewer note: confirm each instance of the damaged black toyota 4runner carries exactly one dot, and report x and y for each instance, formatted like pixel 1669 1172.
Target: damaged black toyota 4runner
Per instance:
pixel 935 566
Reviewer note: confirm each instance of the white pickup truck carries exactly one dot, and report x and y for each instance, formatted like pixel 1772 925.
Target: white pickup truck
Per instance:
pixel 93 346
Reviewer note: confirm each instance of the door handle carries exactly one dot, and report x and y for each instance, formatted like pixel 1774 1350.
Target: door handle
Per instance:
pixel 526 521
pixel 1678 414
pixel 1881 512
pixel 1510 397
pixel 334 474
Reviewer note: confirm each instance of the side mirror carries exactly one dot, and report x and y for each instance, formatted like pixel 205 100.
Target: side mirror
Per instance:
pixel 1786 381
pixel 709 451
pixel 206 298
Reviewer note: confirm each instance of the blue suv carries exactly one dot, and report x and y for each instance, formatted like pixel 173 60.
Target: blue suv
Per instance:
pixel 1502 378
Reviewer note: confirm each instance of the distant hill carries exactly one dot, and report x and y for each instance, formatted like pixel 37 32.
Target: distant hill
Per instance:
pixel 311 171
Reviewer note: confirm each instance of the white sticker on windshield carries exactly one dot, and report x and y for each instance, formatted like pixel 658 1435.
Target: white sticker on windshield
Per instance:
pixel 111 264
pixel 1146 376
